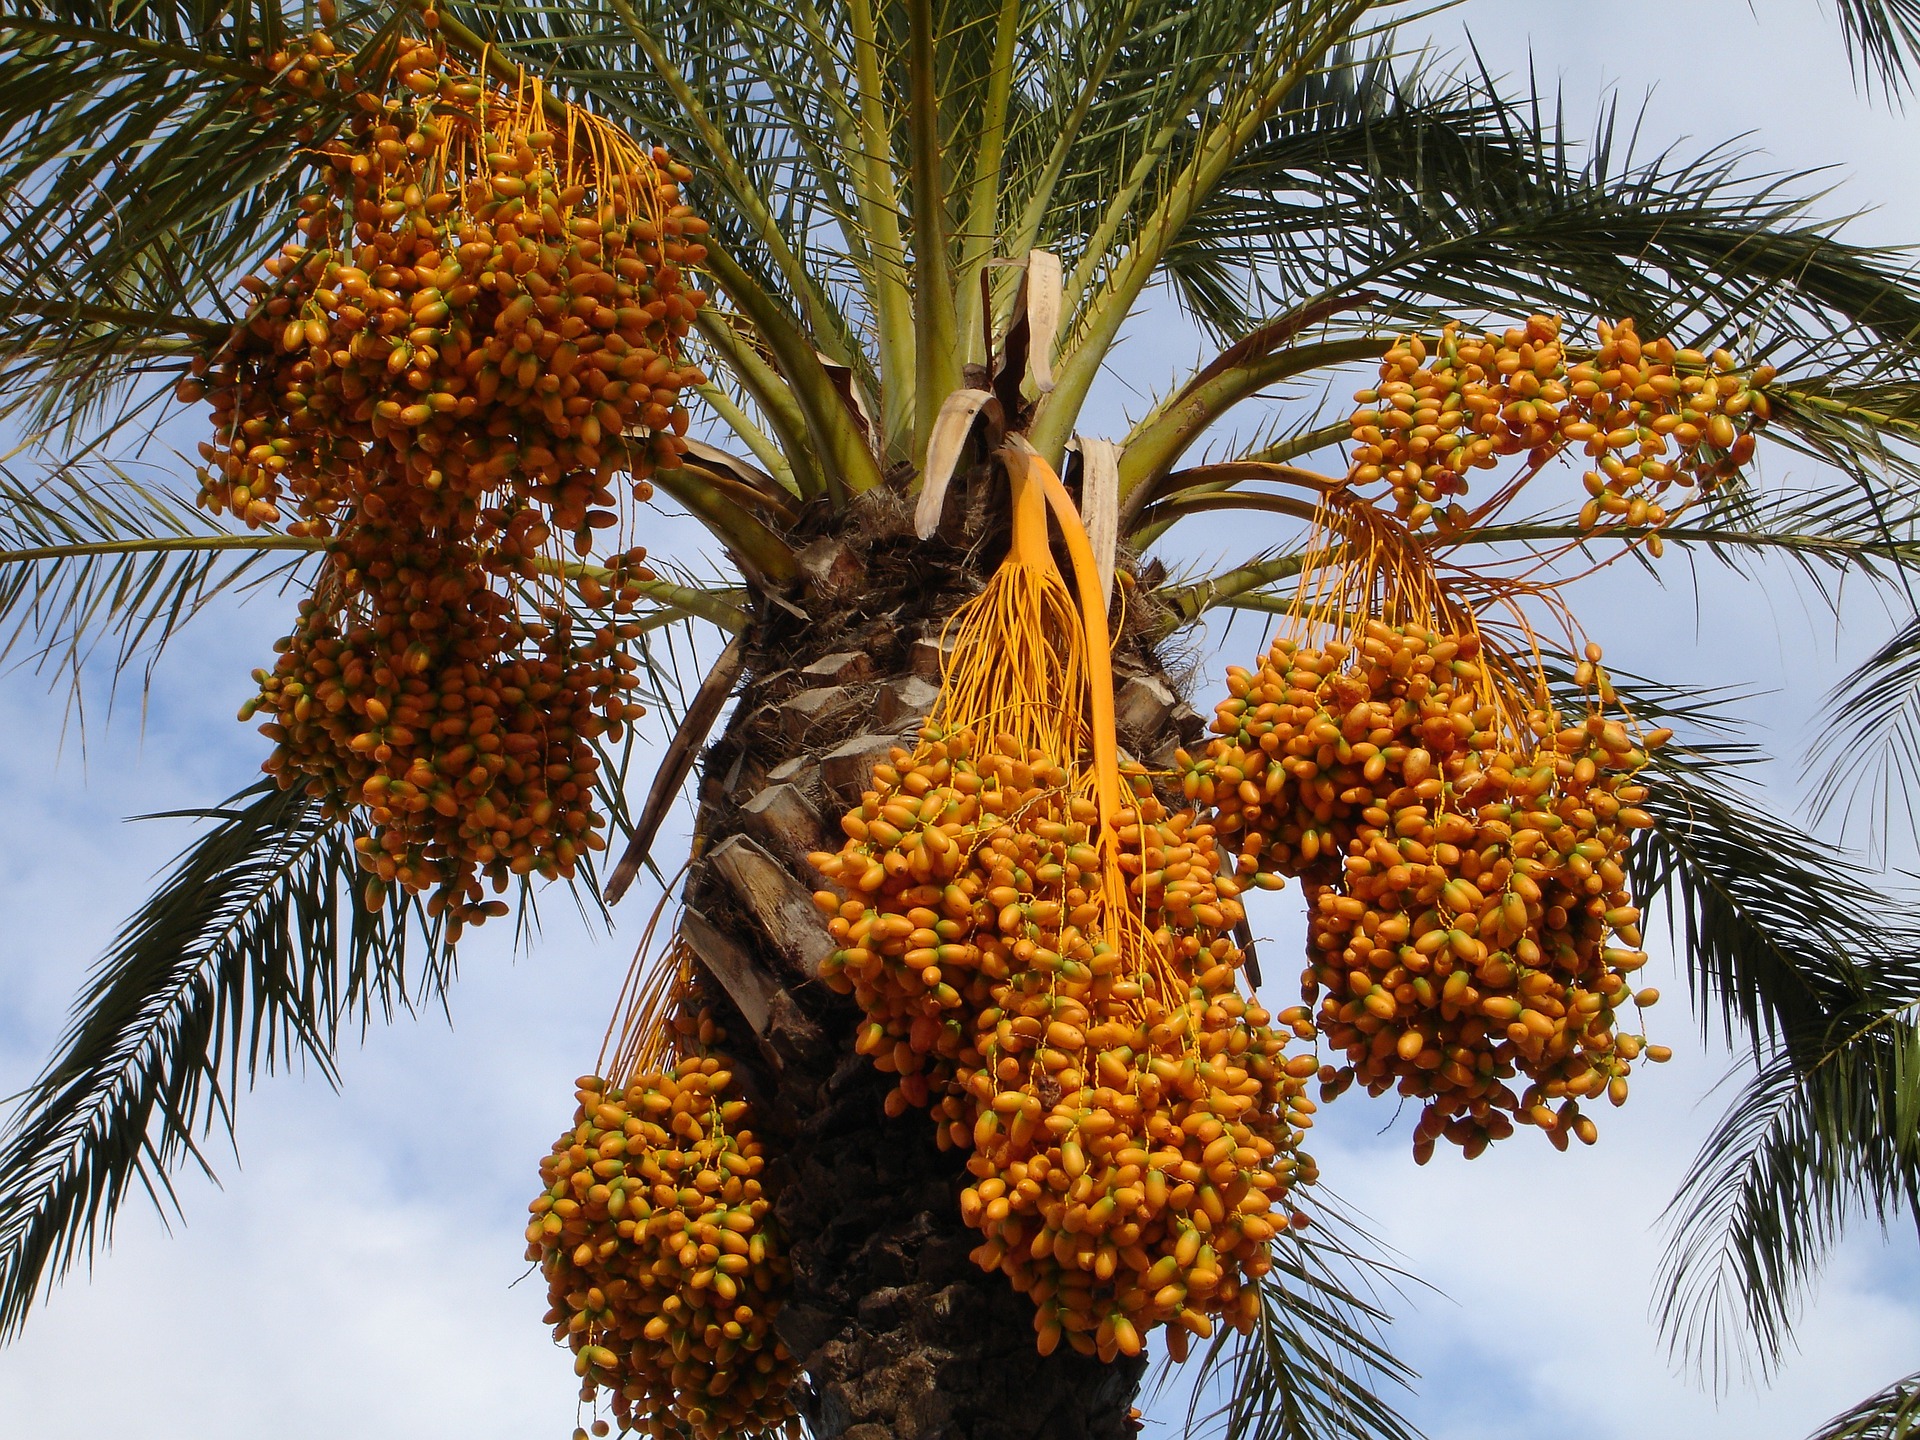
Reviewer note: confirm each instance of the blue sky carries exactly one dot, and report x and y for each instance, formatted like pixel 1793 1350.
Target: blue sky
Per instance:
pixel 354 1271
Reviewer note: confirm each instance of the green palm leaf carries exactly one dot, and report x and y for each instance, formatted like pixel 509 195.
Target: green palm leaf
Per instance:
pixel 1883 38
pixel 1828 1130
pixel 1826 535
pixel 91 553
pixel 1806 964
pixel 1475 199
pixel 1892 1414
pixel 1441 196
pixel 1869 736
pixel 1316 1366
pixel 139 181
pixel 1780 931
pixel 254 953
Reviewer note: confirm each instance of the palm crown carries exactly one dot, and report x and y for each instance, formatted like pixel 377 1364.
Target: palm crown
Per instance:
pixel 925 227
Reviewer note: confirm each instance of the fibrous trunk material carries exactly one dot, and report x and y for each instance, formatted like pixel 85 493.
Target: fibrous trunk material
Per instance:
pixel 901 1335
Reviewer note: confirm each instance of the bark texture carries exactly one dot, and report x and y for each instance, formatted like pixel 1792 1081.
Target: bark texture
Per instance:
pixel 901 1335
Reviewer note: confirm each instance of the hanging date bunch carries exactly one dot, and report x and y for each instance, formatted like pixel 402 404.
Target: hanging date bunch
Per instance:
pixel 1135 1126
pixel 488 294
pixel 1653 420
pixel 1043 955
pixel 1463 844
pixel 664 1268
pixel 416 688
pixel 1483 937
pixel 908 927
pixel 911 840
pixel 479 325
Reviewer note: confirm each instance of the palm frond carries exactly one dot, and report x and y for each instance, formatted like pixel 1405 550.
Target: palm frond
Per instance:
pixel 1883 39
pixel 1827 536
pixel 1778 930
pixel 1440 195
pixel 1439 190
pixel 141 177
pixel 1814 968
pixel 1868 745
pixel 796 119
pixel 254 954
pixel 1159 201
pixel 240 28
pixel 1828 1130
pixel 90 553
pixel 1315 1366
pixel 1891 1414
pixel 1862 416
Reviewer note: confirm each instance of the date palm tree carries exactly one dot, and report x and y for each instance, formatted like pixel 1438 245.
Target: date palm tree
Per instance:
pixel 931 223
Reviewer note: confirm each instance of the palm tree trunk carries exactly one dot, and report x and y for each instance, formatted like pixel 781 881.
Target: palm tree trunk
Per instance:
pixel 901 1335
